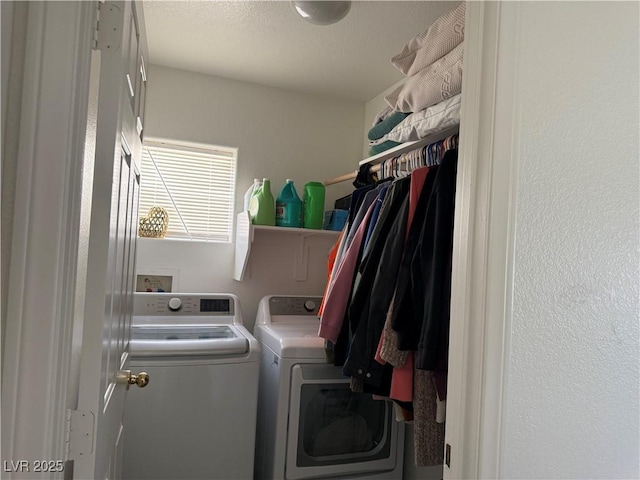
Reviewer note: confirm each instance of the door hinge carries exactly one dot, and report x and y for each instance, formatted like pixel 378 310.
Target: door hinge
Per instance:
pixel 96 26
pixel 79 438
pixel 108 27
pixel 447 455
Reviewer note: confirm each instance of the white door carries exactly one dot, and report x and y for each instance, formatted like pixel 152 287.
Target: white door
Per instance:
pixel 111 249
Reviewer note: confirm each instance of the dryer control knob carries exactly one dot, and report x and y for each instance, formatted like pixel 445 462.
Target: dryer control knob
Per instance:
pixel 309 305
pixel 175 304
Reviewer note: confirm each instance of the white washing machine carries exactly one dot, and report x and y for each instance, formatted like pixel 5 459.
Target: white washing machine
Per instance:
pixel 310 424
pixel 196 418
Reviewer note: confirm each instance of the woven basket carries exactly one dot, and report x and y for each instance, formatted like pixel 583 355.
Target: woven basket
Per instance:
pixel 155 224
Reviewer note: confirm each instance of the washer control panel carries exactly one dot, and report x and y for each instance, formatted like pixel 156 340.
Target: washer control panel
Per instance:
pixel 183 304
pixel 294 305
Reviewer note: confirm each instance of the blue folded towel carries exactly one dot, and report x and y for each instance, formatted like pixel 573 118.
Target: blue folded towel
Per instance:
pixel 381 129
pixel 384 146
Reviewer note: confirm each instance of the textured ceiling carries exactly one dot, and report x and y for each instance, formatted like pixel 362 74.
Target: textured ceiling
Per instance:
pixel 265 42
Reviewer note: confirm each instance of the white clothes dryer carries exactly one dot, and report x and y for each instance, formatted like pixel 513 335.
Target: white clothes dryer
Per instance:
pixel 196 418
pixel 310 424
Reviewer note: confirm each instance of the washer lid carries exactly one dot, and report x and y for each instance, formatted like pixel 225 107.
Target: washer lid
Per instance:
pixel 292 341
pixel 186 340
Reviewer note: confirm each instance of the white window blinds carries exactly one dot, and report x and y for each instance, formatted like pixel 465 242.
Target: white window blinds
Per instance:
pixel 196 185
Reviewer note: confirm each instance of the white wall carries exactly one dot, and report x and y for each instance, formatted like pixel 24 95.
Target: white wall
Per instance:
pixel 279 135
pixel 571 399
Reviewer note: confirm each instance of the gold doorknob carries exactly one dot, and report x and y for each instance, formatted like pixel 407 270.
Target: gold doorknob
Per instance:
pixel 125 376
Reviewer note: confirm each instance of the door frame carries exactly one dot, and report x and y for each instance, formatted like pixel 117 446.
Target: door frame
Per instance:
pixel 41 340
pixel 483 242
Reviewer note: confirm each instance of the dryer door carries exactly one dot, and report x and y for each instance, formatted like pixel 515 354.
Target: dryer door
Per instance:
pixel 335 432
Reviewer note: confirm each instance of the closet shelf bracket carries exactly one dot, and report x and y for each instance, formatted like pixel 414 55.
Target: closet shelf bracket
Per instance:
pixel 297 241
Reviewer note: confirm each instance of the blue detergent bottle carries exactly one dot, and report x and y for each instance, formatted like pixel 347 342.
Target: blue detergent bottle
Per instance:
pixel 288 206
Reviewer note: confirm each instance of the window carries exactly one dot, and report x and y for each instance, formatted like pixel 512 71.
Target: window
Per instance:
pixel 195 184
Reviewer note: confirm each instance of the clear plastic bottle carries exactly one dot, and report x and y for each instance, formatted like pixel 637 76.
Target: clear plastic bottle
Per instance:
pixel 262 207
pixel 248 194
pixel 288 206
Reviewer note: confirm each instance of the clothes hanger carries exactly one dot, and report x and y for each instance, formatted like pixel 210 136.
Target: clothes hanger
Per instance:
pixel 430 160
pixel 405 165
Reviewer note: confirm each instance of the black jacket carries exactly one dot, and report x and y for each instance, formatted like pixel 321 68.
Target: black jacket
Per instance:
pixel 431 270
pixel 369 321
pixel 404 319
pixel 398 251
pixel 367 267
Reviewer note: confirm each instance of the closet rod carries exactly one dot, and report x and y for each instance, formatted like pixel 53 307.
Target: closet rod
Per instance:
pixel 352 175
pixel 348 176
pixel 340 179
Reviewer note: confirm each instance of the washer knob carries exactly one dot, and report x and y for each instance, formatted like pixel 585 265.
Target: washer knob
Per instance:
pixel 309 305
pixel 175 304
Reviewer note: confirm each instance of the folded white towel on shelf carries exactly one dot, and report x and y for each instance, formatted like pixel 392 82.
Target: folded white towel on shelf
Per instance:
pixel 418 125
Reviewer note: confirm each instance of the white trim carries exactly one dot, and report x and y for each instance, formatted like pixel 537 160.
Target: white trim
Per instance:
pixel 45 232
pixel 483 243
pixel 199 147
pixel 501 240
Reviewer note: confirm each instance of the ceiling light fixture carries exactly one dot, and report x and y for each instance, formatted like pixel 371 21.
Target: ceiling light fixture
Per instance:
pixel 321 12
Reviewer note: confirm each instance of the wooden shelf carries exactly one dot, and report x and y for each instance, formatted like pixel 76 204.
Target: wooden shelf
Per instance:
pixel 247 233
pixel 409 146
